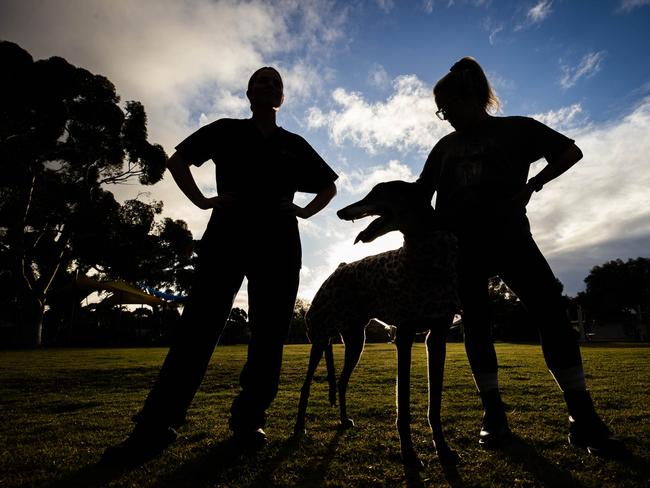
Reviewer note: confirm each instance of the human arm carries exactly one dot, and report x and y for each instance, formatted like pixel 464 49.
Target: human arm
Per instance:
pixel 318 203
pixel 556 166
pixel 179 167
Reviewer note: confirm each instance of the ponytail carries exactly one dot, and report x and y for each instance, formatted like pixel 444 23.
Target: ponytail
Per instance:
pixel 466 79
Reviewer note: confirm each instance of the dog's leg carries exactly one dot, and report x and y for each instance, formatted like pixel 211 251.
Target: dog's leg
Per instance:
pixel 404 341
pixel 354 342
pixel 331 373
pixel 314 358
pixel 436 350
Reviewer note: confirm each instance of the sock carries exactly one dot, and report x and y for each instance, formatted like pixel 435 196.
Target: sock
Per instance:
pixel 570 379
pixel 486 381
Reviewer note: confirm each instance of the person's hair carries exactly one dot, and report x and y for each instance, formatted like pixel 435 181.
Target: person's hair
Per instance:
pixel 466 79
pixel 255 75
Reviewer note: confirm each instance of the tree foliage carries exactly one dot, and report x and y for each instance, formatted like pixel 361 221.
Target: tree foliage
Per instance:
pixel 63 137
pixel 618 290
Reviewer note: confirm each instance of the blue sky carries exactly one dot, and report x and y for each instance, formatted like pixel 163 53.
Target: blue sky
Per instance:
pixel 358 78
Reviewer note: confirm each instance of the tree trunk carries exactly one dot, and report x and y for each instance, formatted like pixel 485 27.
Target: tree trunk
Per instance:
pixel 30 320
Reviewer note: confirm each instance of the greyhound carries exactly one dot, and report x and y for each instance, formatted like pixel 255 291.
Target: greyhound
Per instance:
pixel 412 288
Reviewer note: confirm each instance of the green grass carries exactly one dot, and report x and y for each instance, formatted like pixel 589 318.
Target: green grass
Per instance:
pixel 60 409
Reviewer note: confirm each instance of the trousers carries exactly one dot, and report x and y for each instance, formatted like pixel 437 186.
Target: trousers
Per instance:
pixel 271 262
pixel 514 256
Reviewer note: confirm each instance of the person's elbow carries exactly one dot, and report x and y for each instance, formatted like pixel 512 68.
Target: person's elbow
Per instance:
pixel 329 191
pixel 566 158
pixel 176 161
pixel 576 153
pixel 332 190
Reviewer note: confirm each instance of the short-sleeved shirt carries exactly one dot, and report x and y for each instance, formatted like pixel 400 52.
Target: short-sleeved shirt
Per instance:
pixel 263 171
pixel 477 172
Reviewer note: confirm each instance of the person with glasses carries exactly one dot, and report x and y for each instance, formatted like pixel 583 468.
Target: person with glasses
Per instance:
pixel 480 175
pixel 252 233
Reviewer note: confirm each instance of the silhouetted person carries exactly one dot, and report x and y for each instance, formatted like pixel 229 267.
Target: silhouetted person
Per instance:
pixel 253 232
pixel 480 174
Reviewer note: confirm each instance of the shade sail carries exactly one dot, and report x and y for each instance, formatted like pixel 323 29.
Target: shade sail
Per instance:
pixel 122 292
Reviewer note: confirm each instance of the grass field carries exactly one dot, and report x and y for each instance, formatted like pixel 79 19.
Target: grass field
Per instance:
pixel 60 408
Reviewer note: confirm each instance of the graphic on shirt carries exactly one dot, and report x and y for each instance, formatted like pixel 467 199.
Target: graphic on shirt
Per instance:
pixel 469 166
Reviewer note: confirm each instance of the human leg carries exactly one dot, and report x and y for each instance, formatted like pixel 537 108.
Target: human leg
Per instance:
pixel 529 276
pixel 272 295
pixel 193 343
pixel 479 346
pixel 186 362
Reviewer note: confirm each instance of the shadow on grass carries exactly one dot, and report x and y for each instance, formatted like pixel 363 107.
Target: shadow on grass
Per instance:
pixel 207 469
pixel 413 476
pixel 91 476
pixel 224 461
pixel 317 470
pixel 520 452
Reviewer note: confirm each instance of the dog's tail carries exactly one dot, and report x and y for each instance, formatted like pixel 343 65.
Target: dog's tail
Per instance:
pixel 331 373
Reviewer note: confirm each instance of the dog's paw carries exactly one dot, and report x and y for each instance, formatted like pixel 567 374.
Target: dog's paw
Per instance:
pixel 411 461
pixel 447 456
pixel 347 423
pixel 299 431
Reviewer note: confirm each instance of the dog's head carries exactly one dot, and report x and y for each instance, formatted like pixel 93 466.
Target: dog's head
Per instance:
pixel 397 204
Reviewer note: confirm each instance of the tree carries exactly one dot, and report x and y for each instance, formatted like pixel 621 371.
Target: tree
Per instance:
pixel 236 330
pixel 618 290
pixel 298 327
pixel 511 320
pixel 63 137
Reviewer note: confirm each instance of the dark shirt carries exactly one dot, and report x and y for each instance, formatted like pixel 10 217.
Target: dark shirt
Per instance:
pixel 477 172
pixel 262 171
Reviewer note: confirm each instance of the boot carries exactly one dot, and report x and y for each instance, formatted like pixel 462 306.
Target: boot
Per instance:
pixel 587 430
pixel 143 444
pixel 250 440
pixel 494 429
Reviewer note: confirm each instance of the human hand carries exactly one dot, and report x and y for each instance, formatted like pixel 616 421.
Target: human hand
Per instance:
pixel 523 197
pixel 301 212
pixel 221 201
pixel 292 208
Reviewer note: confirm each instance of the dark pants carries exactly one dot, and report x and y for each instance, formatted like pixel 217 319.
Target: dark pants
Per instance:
pixel 271 263
pixel 517 260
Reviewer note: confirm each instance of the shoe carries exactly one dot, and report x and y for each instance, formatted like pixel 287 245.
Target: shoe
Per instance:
pixel 494 430
pixel 143 444
pixel 596 438
pixel 250 440
pixel 587 430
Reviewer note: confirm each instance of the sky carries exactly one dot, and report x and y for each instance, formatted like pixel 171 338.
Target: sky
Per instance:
pixel 358 77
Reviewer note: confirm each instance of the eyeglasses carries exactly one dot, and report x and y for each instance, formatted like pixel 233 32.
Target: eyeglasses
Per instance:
pixel 441 114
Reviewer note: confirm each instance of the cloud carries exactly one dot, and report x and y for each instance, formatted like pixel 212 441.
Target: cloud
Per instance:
pixel 361 181
pixel 385 5
pixel 493 28
pixel 629 5
pixel 180 57
pixel 475 3
pixel 427 6
pixel 563 118
pixel 378 76
pixel 535 15
pixel 589 65
pixel 539 12
pixel 404 121
pixel 493 33
pixel 604 199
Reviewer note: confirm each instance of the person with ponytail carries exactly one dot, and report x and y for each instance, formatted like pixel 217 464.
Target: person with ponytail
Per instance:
pixel 480 175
